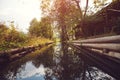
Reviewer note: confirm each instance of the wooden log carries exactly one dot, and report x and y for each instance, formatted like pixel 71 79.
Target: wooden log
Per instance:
pixel 17 50
pixel 14 54
pixel 110 39
pixel 113 46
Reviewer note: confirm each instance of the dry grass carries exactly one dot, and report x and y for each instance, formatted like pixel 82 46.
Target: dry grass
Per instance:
pixel 37 41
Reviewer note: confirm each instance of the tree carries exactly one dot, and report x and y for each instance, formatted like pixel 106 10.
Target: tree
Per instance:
pixel 70 16
pixel 41 28
pixel 45 7
pixel 66 14
pixel 10 37
pixel 35 28
pixel 47 27
pixel 80 27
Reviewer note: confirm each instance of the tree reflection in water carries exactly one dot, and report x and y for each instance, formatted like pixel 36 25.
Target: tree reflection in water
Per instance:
pixel 67 65
pixel 60 62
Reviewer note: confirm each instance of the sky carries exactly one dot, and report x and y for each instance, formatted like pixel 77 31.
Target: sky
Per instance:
pixel 23 11
pixel 19 11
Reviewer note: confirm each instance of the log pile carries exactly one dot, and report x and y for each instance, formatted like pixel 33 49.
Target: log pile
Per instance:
pixel 13 54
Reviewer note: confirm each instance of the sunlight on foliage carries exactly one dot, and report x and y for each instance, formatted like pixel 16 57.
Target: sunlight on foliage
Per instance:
pixel 37 41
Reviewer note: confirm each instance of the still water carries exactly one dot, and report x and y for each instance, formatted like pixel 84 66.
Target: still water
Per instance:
pixel 58 62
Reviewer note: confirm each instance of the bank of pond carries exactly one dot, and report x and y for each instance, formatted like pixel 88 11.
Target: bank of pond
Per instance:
pixel 7 56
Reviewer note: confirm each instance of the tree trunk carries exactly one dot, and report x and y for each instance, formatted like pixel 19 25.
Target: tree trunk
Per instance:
pixel 82 30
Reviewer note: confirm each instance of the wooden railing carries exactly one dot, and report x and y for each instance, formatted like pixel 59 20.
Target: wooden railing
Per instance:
pixel 111 43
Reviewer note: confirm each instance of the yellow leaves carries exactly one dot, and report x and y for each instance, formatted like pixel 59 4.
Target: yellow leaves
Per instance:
pixel 45 7
pixel 10 37
pixel 37 40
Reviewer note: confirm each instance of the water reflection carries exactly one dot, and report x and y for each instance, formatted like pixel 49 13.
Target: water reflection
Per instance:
pixel 30 67
pixel 59 62
pixel 31 72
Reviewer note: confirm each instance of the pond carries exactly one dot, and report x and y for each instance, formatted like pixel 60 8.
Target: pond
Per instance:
pixel 56 62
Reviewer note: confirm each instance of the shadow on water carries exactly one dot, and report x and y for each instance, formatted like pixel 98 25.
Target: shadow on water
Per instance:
pixel 59 62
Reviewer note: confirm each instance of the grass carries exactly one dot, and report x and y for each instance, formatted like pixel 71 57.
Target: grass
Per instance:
pixel 37 41
pixel 29 42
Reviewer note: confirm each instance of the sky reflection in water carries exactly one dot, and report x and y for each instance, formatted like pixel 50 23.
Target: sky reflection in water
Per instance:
pixel 31 72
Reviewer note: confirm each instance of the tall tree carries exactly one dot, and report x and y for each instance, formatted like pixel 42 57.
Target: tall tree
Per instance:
pixel 66 14
pixel 81 28
pixel 41 28
pixel 11 37
pixel 35 29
